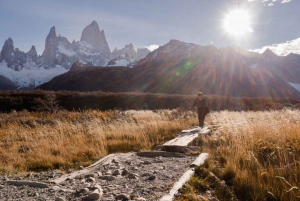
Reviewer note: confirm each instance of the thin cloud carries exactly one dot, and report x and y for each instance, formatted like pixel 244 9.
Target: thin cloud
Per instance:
pixel 271 4
pixel 286 1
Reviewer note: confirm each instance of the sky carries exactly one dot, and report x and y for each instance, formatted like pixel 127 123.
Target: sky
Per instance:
pixel 149 22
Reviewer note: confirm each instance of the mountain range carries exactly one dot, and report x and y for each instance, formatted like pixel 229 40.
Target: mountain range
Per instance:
pixel 28 69
pixel 185 68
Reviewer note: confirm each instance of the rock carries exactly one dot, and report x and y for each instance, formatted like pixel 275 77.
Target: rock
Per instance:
pixel 55 188
pixel 1 186
pixel 90 179
pixel 152 177
pixel 134 168
pixel 124 172
pixel 81 167
pixel 116 173
pixel 97 186
pixel 92 35
pixel 108 173
pixel 123 197
pixel 147 163
pixel 59 199
pixel 140 199
pixel 114 161
pixel 91 175
pixel 52 175
pixel 69 171
pixel 84 191
pixel 145 174
pixel 107 177
pixel 133 176
pixel 95 195
pixel 99 174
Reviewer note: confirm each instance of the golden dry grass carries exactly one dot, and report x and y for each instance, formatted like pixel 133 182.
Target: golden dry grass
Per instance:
pixel 256 153
pixel 32 141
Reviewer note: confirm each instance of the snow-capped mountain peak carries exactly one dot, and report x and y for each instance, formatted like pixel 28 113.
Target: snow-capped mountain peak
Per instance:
pixel 59 55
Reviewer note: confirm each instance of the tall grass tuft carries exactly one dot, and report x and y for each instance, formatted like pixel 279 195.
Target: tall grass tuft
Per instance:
pixel 33 141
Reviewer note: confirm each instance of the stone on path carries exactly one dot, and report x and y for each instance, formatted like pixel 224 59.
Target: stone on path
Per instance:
pixel 123 197
pixel 107 177
pixel 95 195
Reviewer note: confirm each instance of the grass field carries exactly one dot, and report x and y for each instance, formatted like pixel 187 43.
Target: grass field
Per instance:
pixel 32 141
pixel 254 156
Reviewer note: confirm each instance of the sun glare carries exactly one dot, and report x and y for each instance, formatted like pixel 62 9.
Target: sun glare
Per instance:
pixel 237 23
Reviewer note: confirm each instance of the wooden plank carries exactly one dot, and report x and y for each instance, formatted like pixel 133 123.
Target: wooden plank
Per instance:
pixel 183 139
pixel 184 178
pixel 186 138
pixel 28 183
pixel 176 148
pixel 152 154
pixel 200 160
pixel 197 129
pixel 83 171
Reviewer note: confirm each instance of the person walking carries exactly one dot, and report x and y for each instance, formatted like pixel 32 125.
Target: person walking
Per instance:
pixel 202 109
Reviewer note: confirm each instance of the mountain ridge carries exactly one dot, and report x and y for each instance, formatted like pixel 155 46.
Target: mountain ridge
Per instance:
pixel 60 54
pixel 185 68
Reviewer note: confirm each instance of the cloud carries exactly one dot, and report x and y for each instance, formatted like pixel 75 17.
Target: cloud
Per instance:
pixel 282 49
pixel 152 47
pixel 271 4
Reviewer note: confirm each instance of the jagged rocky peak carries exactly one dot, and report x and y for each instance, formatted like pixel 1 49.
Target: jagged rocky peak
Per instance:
pixel 52 33
pixel 127 51
pixel 92 35
pixel 49 53
pixel 269 55
pixel 8 49
pixel 142 53
pixel 32 53
pixel 14 58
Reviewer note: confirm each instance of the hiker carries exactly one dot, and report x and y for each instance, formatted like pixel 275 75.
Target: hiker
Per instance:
pixel 202 109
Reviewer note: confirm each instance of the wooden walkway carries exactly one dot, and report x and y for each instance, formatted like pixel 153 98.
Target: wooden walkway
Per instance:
pixel 174 148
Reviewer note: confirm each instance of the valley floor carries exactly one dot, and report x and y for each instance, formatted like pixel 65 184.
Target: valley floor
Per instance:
pixel 253 155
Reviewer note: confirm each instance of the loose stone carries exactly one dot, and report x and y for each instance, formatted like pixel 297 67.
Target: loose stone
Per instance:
pixel 84 191
pixel 107 178
pixel 152 177
pixel 123 197
pixel 125 172
pixel 116 173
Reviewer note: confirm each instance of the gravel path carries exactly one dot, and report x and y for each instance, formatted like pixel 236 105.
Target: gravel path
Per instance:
pixel 125 177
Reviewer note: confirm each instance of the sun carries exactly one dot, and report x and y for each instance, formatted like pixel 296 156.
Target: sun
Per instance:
pixel 237 23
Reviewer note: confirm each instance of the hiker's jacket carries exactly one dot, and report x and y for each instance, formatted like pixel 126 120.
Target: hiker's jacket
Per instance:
pixel 202 107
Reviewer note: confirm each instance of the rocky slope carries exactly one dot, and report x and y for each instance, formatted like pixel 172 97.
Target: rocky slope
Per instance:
pixel 6 84
pixel 184 68
pixel 60 54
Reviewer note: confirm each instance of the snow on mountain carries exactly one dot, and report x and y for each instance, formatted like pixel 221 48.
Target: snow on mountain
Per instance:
pixel 123 60
pixel 29 70
pixel 30 78
pixel 282 49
